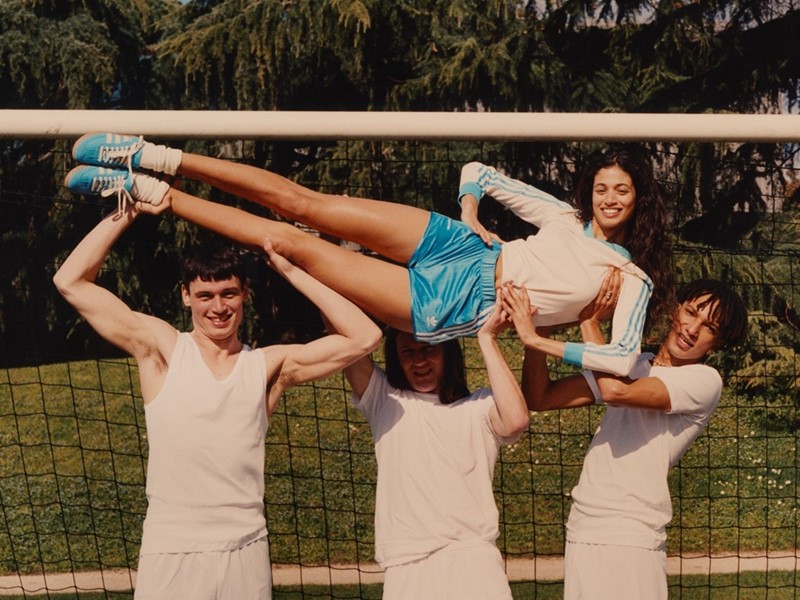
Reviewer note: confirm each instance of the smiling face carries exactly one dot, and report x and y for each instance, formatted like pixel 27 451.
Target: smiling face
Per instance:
pixel 217 306
pixel 693 334
pixel 422 364
pixel 613 203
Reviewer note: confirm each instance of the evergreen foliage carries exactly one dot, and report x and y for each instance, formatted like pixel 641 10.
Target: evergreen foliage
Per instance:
pixel 448 55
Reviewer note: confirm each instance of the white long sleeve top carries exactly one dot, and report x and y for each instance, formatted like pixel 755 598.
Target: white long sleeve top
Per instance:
pixel 563 266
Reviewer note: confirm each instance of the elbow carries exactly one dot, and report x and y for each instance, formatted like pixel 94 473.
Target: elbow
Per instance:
pixel 519 424
pixel 370 340
pixel 535 384
pixel 617 370
pixel 57 281
pixel 375 341
pixel 535 402
pixel 622 365
pixel 62 283
pixel 612 390
pixel 472 166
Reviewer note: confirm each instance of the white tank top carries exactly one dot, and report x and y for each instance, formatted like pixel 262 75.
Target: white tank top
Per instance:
pixel 205 472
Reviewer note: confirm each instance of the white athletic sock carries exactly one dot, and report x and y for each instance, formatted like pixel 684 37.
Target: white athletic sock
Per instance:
pixel 161 159
pixel 149 189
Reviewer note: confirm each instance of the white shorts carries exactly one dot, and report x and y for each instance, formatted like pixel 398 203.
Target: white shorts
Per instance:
pixel 244 573
pixel 457 572
pixel 605 572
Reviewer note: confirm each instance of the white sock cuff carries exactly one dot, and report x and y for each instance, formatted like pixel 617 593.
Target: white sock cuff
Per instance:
pixel 148 189
pixel 161 159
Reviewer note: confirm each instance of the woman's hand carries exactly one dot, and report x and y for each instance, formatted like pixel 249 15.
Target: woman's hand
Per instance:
pixel 145 208
pixel 496 323
pixel 602 307
pixel 277 262
pixel 469 216
pixel 517 308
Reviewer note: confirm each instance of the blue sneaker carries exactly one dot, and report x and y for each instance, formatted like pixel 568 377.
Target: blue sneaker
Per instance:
pixel 104 182
pixel 109 150
pixel 98 181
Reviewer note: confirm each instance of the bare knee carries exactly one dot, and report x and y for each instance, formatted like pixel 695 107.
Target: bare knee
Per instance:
pixel 307 206
pixel 291 200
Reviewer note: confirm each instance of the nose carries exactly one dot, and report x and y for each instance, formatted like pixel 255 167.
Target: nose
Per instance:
pixel 418 358
pixel 693 327
pixel 217 304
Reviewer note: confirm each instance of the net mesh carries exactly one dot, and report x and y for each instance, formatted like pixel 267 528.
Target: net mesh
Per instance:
pixel 73 445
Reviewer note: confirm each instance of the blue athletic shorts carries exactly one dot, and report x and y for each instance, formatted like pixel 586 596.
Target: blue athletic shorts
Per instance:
pixel 452 281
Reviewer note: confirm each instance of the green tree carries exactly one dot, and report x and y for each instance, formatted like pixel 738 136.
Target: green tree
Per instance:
pixel 60 55
pixel 76 54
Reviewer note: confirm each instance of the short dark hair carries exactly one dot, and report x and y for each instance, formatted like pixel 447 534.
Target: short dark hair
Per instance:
pixel 727 308
pixel 212 261
pixel 453 385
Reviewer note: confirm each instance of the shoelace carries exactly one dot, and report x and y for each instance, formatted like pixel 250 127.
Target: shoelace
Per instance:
pixel 110 185
pixel 122 155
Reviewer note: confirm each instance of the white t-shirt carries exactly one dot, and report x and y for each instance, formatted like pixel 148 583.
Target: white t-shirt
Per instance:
pixel 563 267
pixel 205 472
pixel 435 470
pixel 622 497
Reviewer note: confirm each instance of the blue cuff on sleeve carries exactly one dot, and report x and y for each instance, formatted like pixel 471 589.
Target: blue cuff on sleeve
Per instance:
pixel 573 353
pixel 470 187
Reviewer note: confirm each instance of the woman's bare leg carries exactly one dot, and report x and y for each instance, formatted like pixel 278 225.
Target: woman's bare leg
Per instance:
pixel 390 229
pixel 380 288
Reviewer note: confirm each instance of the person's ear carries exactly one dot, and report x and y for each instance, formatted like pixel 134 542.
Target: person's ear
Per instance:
pixel 185 296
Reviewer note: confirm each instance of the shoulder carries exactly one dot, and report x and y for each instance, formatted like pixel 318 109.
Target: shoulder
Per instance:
pixel 692 388
pixel 377 397
pixel 378 385
pixel 698 374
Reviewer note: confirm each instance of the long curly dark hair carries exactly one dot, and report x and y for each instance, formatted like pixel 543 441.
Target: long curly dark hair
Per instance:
pixel 648 238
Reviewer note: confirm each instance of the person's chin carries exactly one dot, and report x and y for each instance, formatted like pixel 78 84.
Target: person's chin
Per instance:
pixel 220 333
pixel 424 387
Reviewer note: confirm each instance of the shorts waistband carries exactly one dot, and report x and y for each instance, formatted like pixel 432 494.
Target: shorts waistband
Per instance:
pixel 488 268
pixel 458 545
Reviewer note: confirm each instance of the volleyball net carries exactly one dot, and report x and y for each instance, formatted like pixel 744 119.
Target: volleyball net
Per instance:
pixel 73 444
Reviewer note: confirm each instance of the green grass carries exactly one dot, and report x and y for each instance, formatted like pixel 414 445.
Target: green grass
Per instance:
pixel 73 461
pixel 520 591
pixel 735 586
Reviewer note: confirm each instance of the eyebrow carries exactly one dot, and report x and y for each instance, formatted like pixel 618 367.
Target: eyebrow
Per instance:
pixel 222 291
pixel 711 321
